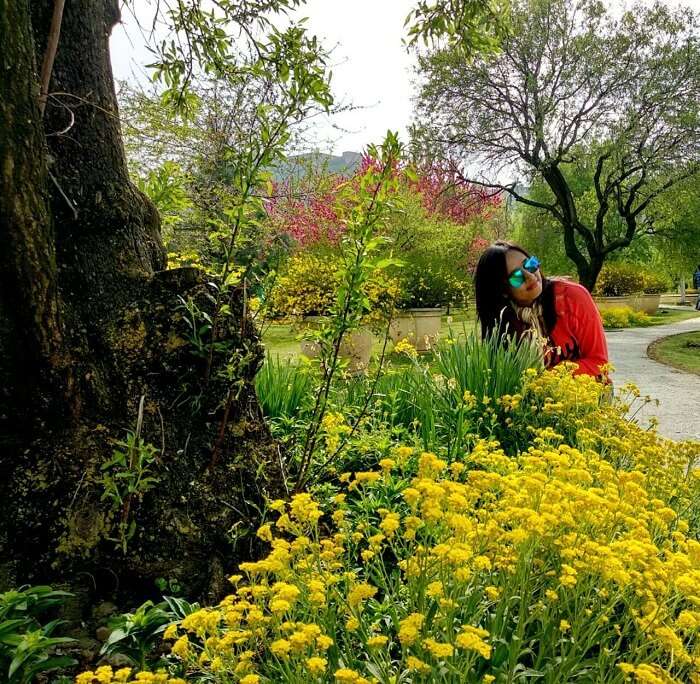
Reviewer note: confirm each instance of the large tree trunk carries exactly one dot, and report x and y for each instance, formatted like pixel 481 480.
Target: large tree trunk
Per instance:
pixel 589 268
pixel 588 274
pixel 90 322
pixel 31 329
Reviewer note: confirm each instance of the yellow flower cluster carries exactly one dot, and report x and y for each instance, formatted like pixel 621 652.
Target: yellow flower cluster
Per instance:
pixel 472 639
pixel 405 347
pixel 125 675
pixel 333 427
pixel 586 538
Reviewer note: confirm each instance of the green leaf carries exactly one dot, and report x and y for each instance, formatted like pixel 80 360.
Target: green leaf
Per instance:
pixel 49 664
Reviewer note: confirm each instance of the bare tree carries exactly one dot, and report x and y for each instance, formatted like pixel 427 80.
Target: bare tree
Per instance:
pixel 574 87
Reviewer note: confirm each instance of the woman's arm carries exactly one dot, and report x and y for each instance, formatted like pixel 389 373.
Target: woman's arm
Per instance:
pixel 587 327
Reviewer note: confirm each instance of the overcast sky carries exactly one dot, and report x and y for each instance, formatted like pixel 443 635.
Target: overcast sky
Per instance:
pixel 371 69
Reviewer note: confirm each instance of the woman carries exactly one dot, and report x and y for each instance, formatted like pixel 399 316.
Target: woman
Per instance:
pixel 514 298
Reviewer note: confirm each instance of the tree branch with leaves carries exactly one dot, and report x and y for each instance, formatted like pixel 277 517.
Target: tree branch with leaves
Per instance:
pixel 574 89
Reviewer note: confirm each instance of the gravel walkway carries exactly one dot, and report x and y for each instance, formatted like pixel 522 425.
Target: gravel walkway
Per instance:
pixel 678 392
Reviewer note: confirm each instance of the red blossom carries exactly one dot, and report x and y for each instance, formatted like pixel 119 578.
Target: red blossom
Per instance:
pixel 311 217
pixel 308 218
pixel 445 193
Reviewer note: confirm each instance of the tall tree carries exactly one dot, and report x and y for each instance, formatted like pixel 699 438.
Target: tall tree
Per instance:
pixel 96 337
pixel 678 240
pixel 574 85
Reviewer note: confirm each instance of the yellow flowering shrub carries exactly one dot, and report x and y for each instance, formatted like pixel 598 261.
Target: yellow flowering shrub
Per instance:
pixel 624 317
pixel 576 559
pixel 405 347
pixel 309 285
pixel 307 288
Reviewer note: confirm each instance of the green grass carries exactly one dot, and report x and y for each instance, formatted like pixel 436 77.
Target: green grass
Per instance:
pixel 665 316
pixel 677 351
pixel 281 340
pixel 284 340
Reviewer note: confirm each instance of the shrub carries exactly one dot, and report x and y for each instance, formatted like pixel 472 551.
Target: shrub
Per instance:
pixel 309 287
pixel 624 317
pixel 135 635
pixel 425 284
pixel 618 279
pixel 654 283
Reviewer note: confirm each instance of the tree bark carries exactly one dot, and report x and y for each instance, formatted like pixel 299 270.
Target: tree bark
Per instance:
pixel 89 323
pixel 587 269
pixel 589 276
pixel 34 370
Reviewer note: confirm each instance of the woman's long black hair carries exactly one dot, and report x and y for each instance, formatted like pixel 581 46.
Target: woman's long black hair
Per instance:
pixel 493 296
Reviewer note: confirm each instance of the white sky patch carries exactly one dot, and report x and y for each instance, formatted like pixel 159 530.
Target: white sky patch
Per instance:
pixel 371 67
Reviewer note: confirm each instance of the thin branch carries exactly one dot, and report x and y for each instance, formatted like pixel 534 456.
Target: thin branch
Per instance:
pixel 363 411
pixel 50 53
pixel 65 197
pixel 666 186
pixel 71 123
pixel 510 189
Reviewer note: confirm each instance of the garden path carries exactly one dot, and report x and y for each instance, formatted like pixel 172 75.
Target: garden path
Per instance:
pixel 678 392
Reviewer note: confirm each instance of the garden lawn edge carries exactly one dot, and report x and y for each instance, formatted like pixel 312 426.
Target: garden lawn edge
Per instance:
pixel 654 355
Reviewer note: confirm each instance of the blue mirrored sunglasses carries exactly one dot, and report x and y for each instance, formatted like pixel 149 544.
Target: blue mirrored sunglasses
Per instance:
pixel 517 277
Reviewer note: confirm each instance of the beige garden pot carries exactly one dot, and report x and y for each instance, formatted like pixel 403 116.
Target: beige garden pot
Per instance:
pixel 356 347
pixel 648 303
pixel 420 327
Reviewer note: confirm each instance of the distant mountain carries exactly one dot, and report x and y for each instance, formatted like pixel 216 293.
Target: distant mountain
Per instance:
pixel 301 164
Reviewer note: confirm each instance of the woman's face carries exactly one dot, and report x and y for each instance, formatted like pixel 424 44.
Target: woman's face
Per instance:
pixel 531 289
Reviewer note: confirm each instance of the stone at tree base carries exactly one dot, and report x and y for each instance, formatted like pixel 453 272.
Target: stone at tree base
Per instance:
pixel 102 633
pixel 117 661
pixel 104 610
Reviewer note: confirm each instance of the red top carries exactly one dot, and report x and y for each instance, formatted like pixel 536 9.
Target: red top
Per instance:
pixel 578 333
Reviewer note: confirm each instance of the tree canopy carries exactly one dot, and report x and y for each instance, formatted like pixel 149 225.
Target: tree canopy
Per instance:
pixel 575 86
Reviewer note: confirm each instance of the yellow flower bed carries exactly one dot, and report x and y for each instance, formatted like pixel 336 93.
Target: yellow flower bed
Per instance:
pixel 624 317
pixel 572 561
pixel 107 675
